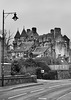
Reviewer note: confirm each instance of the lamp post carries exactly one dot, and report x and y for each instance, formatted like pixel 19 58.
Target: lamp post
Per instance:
pixel 14 18
pixel 54 48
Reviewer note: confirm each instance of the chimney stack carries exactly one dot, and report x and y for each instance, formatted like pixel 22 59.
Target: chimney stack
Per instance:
pixel 52 31
pixel 28 30
pixel 34 29
pixel 57 30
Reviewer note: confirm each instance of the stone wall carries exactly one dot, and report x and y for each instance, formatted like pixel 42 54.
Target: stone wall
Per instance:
pixel 18 79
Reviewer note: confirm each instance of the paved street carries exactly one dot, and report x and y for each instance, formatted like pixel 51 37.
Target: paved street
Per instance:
pixel 49 90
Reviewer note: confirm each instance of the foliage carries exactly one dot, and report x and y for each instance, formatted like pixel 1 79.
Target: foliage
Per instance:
pixel 7 60
pixel 19 66
pixel 64 74
pixel 38 72
pixel 30 62
pixel 15 67
pixel 45 76
pixel 43 66
pixel 50 75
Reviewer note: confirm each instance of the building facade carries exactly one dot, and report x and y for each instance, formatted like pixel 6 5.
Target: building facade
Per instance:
pixel 55 43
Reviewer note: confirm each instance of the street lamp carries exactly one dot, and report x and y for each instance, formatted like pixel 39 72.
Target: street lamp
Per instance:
pixel 54 48
pixel 14 18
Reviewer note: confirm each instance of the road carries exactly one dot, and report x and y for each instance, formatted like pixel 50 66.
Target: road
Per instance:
pixel 49 90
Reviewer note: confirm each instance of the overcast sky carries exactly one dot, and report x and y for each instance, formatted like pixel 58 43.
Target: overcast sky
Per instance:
pixel 43 14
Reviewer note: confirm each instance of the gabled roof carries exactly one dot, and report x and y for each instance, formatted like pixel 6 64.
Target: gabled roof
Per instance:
pixel 17 34
pixel 66 38
pixel 43 59
pixel 62 61
pixel 24 34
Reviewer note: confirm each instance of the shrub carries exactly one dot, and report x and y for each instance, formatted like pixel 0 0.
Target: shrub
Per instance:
pixel 43 66
pixel 21 66
pixel 45 76
pixel 38 72
pixel 50 75
pixel 15 67
pixel 30 62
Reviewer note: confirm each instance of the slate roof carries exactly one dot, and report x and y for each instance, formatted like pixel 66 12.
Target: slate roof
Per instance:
pixel 40 50
pixel 43 59
pixel 24 47
pixel 27 45
pixel 24 34
pixel 62 61
pixel 17 35
pixel 45 37
pixel 66 38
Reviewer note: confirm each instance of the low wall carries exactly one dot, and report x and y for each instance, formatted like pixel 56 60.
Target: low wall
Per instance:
pixel 63 71
pixel 7 69
pixel 59 67
pixel 18 79
pixel 63 74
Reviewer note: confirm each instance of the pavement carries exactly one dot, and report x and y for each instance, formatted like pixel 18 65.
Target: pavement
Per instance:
pixel 7 88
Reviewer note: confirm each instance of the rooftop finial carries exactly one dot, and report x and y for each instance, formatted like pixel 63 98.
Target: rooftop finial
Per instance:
pixel 17 29
pixel 23 27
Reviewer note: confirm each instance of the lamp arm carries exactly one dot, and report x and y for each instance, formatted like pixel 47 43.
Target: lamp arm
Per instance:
pixel 8 14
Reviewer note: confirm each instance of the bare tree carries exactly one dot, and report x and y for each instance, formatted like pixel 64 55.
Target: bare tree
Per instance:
pixel 8 37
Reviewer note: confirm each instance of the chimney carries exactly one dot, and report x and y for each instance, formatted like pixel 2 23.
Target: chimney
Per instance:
pixel 57 30
pixel 52 31
pixel 34 29
pixel 28 30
